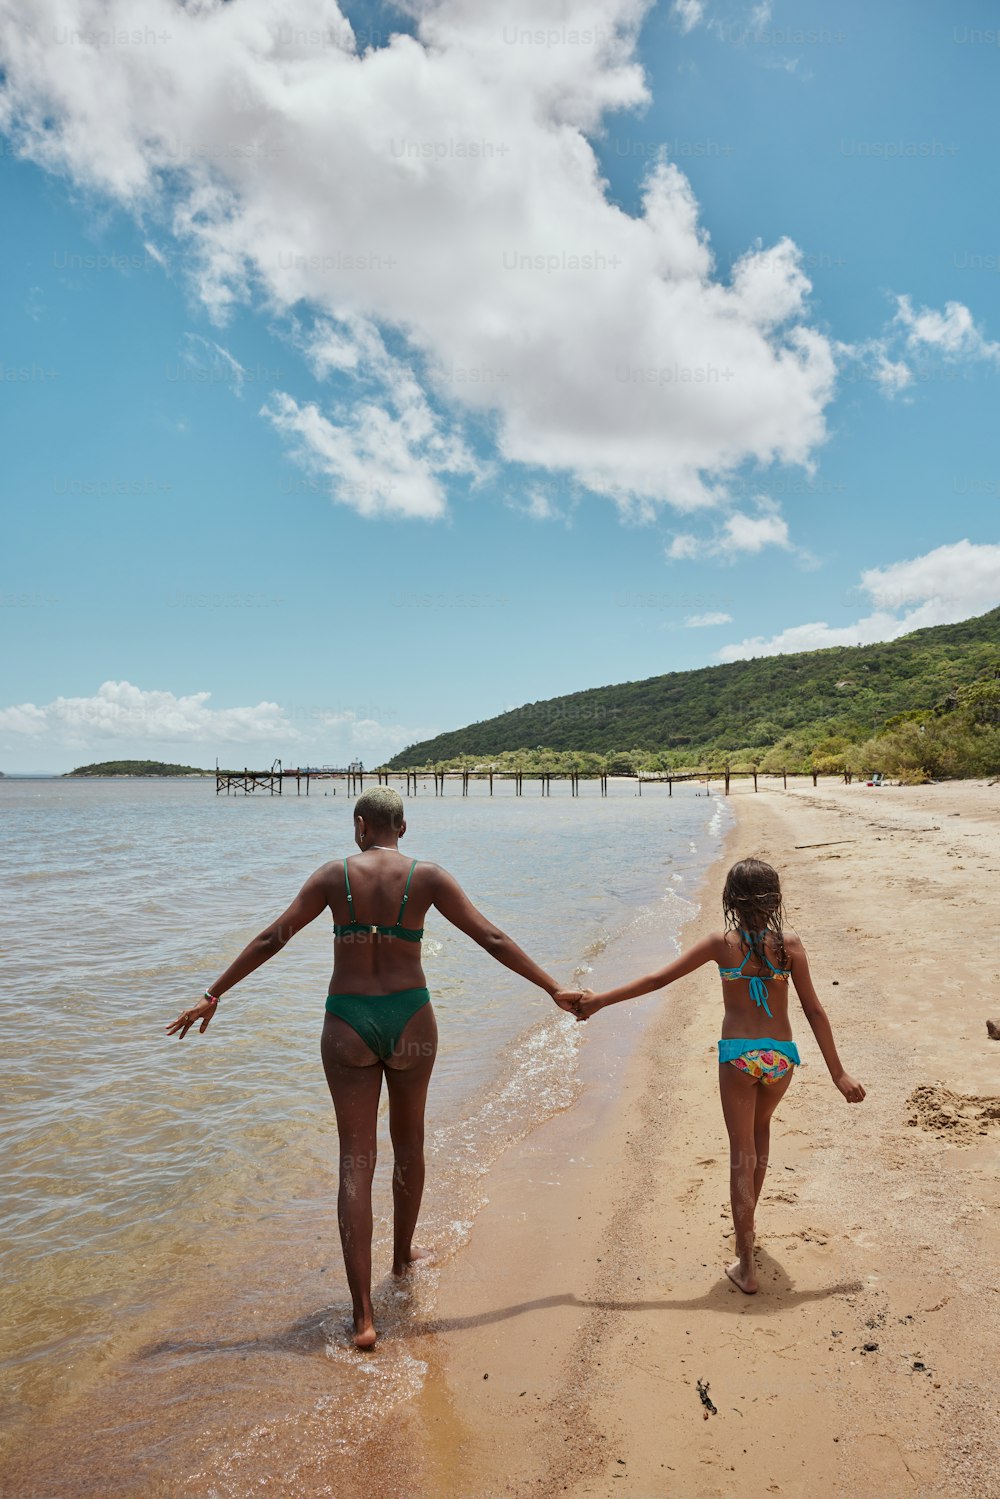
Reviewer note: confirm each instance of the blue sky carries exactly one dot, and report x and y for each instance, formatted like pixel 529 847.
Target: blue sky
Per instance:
pixel 357 389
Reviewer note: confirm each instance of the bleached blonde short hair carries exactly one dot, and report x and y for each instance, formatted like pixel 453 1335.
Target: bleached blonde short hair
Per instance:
pixel 381 808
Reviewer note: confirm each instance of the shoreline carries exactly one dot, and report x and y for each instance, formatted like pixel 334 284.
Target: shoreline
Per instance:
pixel 570 1333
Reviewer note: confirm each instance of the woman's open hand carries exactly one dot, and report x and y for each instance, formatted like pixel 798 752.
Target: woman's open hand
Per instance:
pixel 203 1011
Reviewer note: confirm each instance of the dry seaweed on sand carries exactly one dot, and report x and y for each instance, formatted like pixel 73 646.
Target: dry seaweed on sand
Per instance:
pixel 703 1388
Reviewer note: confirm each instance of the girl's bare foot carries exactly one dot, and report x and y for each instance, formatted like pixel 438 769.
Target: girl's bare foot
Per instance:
pixel 402 1265
pixel 742 1276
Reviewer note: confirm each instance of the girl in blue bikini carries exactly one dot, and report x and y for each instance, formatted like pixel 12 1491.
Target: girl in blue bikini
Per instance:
pixel 756 957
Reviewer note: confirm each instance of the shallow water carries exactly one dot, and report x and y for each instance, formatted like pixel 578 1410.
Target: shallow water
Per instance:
pixel 169 1232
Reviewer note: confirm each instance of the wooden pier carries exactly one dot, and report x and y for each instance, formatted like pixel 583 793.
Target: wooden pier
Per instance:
pixel 272 782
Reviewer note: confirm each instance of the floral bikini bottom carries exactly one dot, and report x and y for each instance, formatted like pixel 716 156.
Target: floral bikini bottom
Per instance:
pixel 763 1059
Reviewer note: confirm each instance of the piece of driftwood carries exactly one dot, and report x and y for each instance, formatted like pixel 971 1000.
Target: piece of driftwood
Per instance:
pixel 832 844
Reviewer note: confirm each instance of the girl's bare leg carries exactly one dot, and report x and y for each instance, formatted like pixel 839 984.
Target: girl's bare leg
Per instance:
pixel 769 1095
pixel 739 1101
pixel 354 1075
pixel 407 1076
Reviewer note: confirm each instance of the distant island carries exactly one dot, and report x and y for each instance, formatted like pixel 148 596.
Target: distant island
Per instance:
pixel 137 768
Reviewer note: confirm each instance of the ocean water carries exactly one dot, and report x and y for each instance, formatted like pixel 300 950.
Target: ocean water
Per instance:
pixel 174 1300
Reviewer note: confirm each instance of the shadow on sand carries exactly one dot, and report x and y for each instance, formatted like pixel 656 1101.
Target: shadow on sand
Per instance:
pixel 310 1334
pixel 777 1294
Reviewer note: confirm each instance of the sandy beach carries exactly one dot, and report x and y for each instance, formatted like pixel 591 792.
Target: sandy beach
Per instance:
pixel 569 1336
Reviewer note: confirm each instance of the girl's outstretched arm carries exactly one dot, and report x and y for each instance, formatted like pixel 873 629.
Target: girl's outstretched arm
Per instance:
pixel 705 951
pixel 817 1017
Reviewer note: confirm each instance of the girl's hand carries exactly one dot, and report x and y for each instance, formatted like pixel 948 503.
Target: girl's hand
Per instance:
pixel 203 1011
pixel 589 1005
pixel 568 999
pixel 851 1090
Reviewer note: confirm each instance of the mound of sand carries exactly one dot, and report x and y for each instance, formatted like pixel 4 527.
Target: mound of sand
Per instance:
pixel 957 1116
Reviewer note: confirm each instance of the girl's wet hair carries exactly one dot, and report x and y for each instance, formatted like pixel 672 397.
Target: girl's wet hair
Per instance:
pixel 751 902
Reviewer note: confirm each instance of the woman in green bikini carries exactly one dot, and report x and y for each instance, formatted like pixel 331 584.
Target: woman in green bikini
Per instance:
pixel 379 1020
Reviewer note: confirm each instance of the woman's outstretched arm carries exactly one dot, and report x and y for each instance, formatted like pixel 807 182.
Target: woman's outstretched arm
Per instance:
pixel 307 905
pixel 453 903
pixel 705 951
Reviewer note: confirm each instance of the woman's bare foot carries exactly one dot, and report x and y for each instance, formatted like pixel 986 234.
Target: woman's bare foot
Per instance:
pixel 742 1276
pixel 402 1265
pixel 364 1332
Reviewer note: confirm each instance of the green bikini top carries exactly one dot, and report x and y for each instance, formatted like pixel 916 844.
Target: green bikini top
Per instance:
pixel 408 934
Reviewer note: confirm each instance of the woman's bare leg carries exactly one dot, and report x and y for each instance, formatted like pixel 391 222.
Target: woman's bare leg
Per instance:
pixel 738 1092
pixel 407 1076
pixel 769 1095
pixel 354 1075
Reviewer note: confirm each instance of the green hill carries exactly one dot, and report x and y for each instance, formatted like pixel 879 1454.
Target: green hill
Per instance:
pixel 845 695
pixel 137 768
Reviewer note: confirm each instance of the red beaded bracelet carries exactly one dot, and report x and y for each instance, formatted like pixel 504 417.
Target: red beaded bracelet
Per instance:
pixel 213 999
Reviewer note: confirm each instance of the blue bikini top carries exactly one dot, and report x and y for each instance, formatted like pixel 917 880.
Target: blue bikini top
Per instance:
pixel 758 988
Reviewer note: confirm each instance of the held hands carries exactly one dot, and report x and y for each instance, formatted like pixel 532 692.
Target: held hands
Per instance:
pixel 579 1002
pixel 203 1011
pixel 589 1005
pixel 568 999
pixel 851 1090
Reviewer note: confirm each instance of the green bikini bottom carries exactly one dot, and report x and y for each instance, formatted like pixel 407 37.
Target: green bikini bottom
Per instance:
pixel 379 1019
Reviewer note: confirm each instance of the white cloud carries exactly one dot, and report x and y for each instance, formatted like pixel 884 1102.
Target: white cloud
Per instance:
pixel 951 583
pixel 893 375
pixel 702 621
pixel 941 581
pixel 349 734
pixel 118 710
pixel 121 721
pixel 752 533
pixel 155 254
pixel 539 505
pixel 739 535
pixel 771 283
pixel 683 546
pixel 210 361
pixel 925 335
pixel 441 187
pixel 689 13
pixel 369 459
pixel 381 461
pixel 952 333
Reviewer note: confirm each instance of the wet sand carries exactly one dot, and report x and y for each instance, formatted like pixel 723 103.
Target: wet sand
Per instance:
pixel 570 1334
